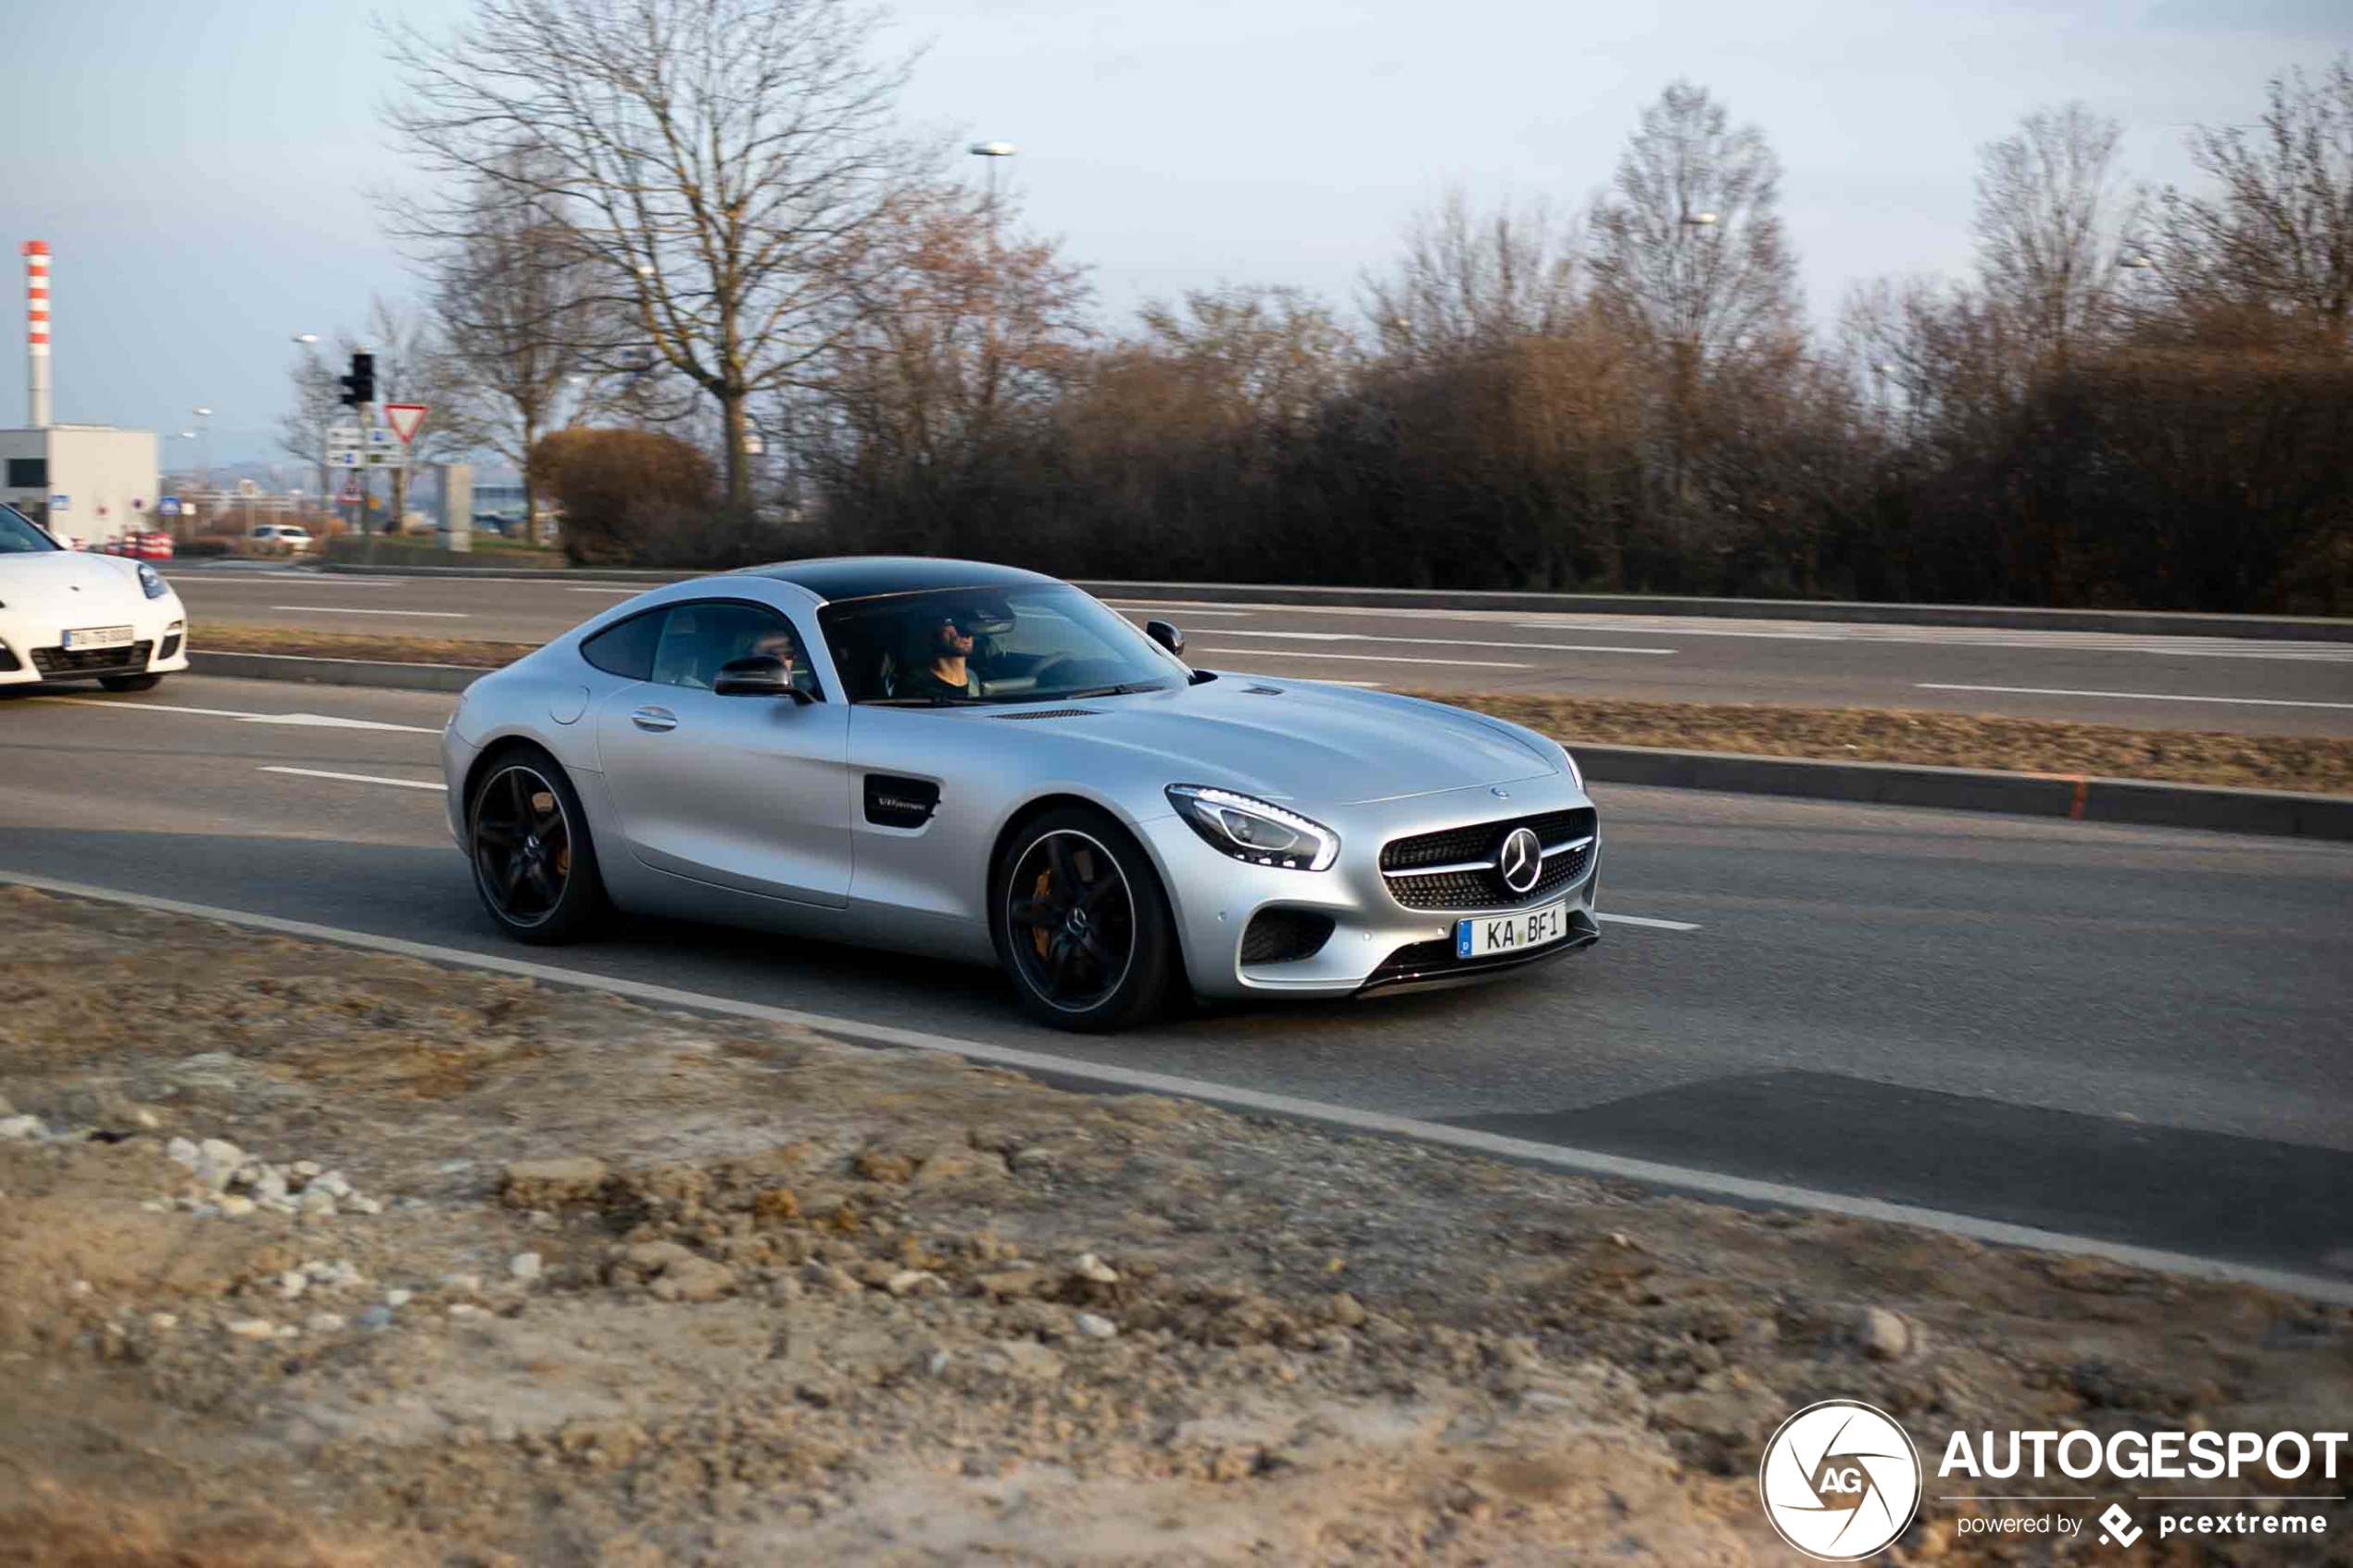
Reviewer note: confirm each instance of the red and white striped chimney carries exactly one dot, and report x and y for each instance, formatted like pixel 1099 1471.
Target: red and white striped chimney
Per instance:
pixel 36 333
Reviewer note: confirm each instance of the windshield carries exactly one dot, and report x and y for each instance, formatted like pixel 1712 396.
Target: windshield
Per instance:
pixel 973 645
pixel 19 537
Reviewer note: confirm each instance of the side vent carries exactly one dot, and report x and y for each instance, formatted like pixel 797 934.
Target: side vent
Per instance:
pixel 899 803
pixel 1051 714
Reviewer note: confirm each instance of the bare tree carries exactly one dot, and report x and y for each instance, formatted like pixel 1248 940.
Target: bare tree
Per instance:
pixel 1688 246
pixel 722 165
pixel 318 406
pixel 1270 356
pixel 1691 263
pixel 523 318
pixel 1471 281
pixel 2053 216
pixel 2277 237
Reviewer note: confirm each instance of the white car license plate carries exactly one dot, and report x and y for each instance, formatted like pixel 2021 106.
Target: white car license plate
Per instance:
pixel 98 638
pixel 1505 934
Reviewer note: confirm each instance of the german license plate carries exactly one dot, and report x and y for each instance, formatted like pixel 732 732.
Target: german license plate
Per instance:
pixel 97 637
pixel 1507 933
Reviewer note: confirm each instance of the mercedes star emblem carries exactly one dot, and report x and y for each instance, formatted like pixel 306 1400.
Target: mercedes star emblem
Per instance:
pixel 1521 860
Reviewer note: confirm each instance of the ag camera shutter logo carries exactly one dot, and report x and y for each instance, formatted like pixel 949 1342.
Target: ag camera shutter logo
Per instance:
pixel 1839 1481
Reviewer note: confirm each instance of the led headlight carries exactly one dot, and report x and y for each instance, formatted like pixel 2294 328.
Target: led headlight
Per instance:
pixel 151 581
pixel 1256 830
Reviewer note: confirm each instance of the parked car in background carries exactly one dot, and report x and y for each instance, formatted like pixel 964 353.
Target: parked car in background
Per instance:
pixel 278 539
pixel 150 545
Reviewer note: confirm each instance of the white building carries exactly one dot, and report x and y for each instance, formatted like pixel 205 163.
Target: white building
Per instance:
pixel 91 482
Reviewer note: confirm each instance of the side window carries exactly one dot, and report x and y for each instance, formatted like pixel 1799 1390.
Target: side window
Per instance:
pixel 626 651
pixel 698 638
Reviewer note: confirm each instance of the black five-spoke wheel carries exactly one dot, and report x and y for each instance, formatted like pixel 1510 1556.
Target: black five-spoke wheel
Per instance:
pixel 531 861
pixel 1082 923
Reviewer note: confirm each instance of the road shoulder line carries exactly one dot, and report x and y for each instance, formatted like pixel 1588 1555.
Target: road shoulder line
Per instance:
pixel 1572 1161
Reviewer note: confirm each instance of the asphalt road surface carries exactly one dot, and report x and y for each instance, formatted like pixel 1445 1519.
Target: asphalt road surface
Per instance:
pixel 2166 683
pixel 2133 1033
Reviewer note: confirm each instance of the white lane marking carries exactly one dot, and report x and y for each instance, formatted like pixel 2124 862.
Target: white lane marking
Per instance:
pixel 1368 657
pixel 1555 1157
pixel 298 721
pixel 1437 642
pixel 1645 920
pixel 269 580
pixel 2135 697
pixel 355 778
pixel 1825 632
pixel 346 609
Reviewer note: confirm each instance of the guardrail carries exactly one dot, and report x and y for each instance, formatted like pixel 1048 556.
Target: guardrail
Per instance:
pixel 2131 623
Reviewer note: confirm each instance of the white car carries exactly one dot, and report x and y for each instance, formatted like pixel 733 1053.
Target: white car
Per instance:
pixel 280 538
pixel 68 615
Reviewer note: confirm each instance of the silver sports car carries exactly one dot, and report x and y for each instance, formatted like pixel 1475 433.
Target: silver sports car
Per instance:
pixel 979 763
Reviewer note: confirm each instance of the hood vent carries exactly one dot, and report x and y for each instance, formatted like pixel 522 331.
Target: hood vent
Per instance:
pixel 1261 691
pixel 1051 714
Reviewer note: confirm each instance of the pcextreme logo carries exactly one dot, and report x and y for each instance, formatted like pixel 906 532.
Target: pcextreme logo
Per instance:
pixel 1839 1481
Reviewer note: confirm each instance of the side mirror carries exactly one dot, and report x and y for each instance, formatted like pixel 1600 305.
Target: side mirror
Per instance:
pixel 1166 636
pixel 762 674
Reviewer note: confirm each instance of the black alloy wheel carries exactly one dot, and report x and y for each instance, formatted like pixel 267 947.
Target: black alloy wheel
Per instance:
pixel 1081 922
pixel 532 862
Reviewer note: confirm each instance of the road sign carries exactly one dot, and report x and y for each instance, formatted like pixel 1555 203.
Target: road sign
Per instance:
pixel 60 502
pixel 404 419
pixel 168 507
pixel 342 435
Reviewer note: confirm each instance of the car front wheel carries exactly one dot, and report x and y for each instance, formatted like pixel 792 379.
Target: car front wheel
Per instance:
pixel 1081 924
pixel 534 863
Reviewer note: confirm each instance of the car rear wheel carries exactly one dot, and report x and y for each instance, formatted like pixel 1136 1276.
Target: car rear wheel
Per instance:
pixel 131 682
pixel 1081 924
pixel 528 840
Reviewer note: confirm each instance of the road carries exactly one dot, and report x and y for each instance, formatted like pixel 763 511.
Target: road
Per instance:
pixel 2172 683
pixel 2132 1033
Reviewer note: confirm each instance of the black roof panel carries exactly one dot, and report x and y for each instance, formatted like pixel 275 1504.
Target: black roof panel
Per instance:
pixel 834 578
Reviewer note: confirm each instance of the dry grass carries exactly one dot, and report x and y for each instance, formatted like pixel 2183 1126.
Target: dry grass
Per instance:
pixel 229 636
pixel 2317 763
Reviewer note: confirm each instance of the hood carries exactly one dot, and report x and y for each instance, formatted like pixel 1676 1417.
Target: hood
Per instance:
pixel 60 573
pixel 1317 744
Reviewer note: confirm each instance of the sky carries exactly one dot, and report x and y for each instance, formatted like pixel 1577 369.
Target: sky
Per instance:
pixel 201 173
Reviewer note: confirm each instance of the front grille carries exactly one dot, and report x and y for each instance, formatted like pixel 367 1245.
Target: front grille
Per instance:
pixel 1284 936
pixel 170 647
pixel 83 661
pixel 1483 889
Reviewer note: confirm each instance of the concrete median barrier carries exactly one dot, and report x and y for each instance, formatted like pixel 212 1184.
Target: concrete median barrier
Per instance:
pixel 2279 814
pixel 2126 623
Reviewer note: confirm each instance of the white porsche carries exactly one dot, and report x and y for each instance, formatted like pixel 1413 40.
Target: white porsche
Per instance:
pixel 67 616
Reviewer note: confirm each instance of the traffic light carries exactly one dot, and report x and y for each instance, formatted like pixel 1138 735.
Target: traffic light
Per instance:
pixel 359 387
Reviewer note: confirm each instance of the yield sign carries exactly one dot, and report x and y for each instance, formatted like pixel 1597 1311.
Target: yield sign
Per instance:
pixel 404 419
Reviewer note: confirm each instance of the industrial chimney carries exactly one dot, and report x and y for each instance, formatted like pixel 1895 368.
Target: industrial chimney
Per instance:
pixel 36 333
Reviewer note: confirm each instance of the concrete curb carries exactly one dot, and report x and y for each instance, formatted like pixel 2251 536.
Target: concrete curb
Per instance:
pixel 2139 623
pixel 2277 814
pixel 2079 797
pixel 383 674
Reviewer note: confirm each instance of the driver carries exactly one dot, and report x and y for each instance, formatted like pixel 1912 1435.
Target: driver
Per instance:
pixel 775 643
pixel 948 639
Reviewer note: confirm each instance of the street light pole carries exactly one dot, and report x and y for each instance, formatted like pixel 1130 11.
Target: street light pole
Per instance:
pixel 994 153
pixel 1686 343
pixel 309 344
